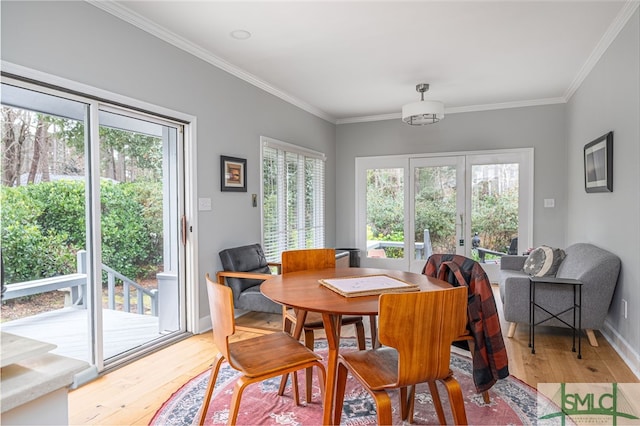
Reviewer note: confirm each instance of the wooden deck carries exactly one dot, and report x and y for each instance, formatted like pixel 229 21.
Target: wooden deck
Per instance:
pixel 67 328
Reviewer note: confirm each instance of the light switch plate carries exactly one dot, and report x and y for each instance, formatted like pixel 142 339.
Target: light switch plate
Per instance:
pixel 204 204
pixel 549 202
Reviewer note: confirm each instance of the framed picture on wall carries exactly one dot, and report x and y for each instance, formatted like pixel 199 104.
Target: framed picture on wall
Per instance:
pixel 598 164
pixel 233 174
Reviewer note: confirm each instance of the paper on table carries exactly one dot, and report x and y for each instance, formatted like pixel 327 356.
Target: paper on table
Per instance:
pixel 367 285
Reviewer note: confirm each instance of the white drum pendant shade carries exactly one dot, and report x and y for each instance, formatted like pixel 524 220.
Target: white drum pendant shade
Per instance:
pixel 422 112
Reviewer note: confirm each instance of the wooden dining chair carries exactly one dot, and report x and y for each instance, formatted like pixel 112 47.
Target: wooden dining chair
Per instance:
pixel 307 259
pixel 257 359
pixel 416 331
pixel 483 335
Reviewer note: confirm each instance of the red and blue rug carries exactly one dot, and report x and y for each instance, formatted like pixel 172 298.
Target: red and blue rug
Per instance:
pixel 513 402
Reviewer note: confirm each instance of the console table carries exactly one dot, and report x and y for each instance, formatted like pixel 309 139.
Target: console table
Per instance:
pixel 576 308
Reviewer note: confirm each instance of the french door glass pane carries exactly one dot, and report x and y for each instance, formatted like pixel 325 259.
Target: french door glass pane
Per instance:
pixel 385 213
pixel 435 210
pixel 494 209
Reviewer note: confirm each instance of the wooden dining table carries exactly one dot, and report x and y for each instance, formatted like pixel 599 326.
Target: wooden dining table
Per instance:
pixel 303 291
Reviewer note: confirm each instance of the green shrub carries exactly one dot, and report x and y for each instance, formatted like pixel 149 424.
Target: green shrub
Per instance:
pixel 43 227
pixel 28 251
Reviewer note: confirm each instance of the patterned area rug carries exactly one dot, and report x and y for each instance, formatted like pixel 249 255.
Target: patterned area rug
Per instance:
pixel 512 401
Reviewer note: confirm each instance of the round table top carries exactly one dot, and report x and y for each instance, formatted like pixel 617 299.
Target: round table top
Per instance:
pixel 303 290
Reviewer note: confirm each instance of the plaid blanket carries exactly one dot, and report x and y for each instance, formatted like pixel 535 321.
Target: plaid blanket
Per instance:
pixel 490 361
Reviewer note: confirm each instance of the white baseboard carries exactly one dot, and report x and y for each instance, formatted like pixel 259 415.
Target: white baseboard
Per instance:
pixel 626 352
pixel 204 325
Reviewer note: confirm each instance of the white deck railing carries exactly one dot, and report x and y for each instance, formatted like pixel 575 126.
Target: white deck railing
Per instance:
pixel 77 285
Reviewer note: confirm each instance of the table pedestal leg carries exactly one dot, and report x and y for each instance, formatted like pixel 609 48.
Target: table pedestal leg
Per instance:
pixel 331 327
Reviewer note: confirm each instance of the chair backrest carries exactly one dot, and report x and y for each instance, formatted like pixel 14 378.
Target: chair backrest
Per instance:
pixel 248 258
pixel 222 319
pixel 513 247
pixel 307 259
pixel 421 327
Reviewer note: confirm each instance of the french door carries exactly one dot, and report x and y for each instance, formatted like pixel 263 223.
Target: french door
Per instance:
pixel 409 207
pixel 104 190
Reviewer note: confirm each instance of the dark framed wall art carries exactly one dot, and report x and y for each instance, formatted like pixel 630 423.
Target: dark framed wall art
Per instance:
pixel 598 164
pixel 233 174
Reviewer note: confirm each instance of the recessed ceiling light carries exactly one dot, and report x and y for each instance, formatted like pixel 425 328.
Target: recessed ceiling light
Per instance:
pixel 240 34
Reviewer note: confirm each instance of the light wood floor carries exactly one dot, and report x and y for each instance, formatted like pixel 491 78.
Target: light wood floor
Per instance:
pixel 132 394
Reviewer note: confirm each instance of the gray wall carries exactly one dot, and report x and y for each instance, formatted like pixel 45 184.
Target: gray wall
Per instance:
pixel 80 42
pixel 609 99
pixel 541 127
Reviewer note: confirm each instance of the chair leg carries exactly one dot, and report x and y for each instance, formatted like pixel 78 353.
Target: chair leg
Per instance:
pixel 287 327
pixel 234 406
pixel 456 400
pixel 309 343
pixel 407 396
pixel 437 404
pixel 296 392
pixel 322 379
pixel 591 335
pixel 472 347
pixel 512 329
pixel 383 407
pixel 360 334
pixel 202 414
pixel 373 325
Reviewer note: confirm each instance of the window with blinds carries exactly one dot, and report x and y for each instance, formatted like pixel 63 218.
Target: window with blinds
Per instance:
pixel 292 198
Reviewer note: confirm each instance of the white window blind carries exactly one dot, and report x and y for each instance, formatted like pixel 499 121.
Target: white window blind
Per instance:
pixel 292 198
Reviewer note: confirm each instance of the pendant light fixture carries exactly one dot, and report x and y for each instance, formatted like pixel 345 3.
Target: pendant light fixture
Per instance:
pixel 422 112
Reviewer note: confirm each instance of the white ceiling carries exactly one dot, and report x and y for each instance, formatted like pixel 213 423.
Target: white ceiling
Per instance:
pixel 361 60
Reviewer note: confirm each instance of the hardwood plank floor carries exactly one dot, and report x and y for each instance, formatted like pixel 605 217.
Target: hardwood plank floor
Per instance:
pixel 132 394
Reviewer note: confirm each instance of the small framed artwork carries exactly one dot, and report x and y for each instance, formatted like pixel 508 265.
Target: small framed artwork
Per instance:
pixel 233 174
pixel 598 164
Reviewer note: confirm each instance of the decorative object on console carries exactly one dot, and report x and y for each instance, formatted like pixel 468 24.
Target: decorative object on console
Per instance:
pixel 598 164
pixel 544 261
pixel 233 174
pixel 422 112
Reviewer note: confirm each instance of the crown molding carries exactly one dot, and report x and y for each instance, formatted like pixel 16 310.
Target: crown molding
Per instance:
pixel 456 110
pixel 152 28
pixel 135 19
pixel 612 32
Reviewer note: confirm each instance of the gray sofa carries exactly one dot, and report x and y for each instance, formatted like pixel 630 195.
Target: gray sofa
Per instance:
pixel 598 269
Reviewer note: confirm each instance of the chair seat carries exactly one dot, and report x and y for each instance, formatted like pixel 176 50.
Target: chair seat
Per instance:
pixel 254 357
pixel 314 320
pixel 377 368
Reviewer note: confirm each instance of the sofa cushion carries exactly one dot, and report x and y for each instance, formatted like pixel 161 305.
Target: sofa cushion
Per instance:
pixel 544 261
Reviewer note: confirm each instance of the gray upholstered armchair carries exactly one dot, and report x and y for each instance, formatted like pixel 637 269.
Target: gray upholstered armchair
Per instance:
pixel 598 270
pixel 245 268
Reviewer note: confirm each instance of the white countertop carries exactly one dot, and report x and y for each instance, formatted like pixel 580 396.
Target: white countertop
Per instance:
pixel 34 374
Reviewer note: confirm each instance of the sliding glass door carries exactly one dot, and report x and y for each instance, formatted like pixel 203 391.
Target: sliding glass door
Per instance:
pixel 92 196
pixel 477 205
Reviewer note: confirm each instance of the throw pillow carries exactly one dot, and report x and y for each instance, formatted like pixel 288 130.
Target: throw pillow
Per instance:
pixel 544 261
